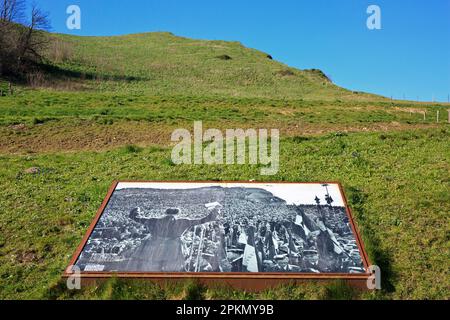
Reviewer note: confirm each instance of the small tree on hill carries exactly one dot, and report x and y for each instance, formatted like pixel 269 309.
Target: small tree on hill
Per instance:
pixel 21 41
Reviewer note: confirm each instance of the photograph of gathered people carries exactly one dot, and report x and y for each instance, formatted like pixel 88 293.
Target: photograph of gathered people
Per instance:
pixel 190 227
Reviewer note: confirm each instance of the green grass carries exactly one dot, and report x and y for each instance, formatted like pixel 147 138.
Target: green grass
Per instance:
pixel 107 113
pixel 161 63
pixel 399 198
pixel 29 104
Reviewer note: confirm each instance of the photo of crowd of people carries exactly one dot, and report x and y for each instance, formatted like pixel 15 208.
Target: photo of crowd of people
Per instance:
pixel 223 228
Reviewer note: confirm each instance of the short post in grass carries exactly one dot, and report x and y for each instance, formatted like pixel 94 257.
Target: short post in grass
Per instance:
pixel 10 89
pixel 424 116
pixel 437 116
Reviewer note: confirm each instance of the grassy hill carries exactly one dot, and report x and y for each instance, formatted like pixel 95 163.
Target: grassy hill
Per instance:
pixel 161 63
pixel 104 109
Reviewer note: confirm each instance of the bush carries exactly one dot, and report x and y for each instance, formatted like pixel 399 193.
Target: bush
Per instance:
pixel 131 148
pixel 21 45
pixel 285 73
pixel 35 79
pixel 60 51
pixel 300 139
pixel 224 57
pixel 36 121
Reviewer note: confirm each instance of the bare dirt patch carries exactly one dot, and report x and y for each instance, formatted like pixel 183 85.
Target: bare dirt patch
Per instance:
pixel 87 135
pixel 82 136
pixel 18 127
pixel 33 170
pixel 27 256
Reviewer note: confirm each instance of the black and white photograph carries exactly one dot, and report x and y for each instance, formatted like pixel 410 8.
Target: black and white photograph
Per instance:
pixel 223 227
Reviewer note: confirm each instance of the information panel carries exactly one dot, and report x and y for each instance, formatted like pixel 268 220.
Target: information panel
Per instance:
pixel 222 228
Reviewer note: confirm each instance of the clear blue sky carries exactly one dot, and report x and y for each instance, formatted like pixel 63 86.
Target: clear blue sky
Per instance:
pixel 409 57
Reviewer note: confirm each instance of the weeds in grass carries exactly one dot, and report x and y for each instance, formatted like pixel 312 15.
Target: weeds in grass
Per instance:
pixel 340 290
pixel 224 57
pixel 132 149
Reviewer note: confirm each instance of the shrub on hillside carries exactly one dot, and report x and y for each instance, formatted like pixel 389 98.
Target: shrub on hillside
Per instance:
pixel 60 51
pixel 224 57
pixel 285 73
pixel 21 43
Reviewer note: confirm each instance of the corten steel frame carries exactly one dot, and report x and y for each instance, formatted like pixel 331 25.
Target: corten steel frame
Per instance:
pixel 246 280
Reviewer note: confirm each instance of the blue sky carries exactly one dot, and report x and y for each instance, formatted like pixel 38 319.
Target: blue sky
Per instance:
pixel 409 57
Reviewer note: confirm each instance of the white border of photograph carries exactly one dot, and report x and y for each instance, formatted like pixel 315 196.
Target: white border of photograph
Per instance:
pixel 292 193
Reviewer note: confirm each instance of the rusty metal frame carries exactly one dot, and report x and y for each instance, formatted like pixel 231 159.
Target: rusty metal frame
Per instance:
pixel 226 276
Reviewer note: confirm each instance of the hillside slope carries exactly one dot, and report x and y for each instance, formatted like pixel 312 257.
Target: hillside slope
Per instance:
pixel 105 111
pixel 161 63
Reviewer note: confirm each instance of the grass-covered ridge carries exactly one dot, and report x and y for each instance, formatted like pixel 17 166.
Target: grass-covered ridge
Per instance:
pixel 162 63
